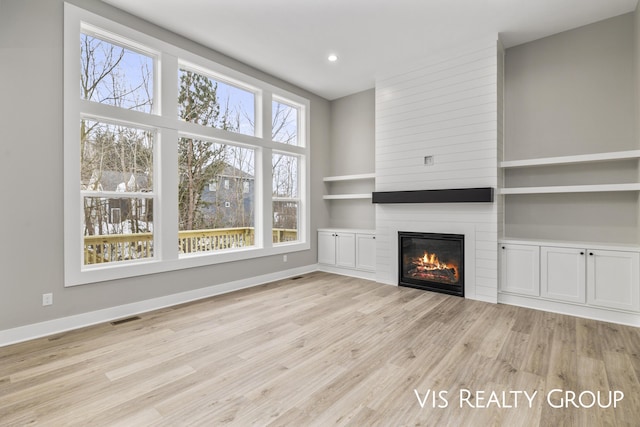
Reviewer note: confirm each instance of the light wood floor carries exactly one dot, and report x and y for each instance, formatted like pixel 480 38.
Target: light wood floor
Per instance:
pixel 324 350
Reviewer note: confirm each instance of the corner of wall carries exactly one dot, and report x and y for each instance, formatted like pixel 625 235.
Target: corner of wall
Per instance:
pixel 500 134
pixel 636 73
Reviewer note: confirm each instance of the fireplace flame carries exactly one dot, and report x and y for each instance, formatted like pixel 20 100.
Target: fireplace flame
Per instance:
pixel 430 262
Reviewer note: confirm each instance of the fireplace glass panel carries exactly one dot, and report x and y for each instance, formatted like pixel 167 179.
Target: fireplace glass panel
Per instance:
pixel 432 261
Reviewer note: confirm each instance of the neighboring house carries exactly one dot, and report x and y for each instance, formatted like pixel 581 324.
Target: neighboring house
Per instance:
pixel 228 200
pixel 119 209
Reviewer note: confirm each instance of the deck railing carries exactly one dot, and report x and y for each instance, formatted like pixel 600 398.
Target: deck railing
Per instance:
pixel 117 247
pixel 122 247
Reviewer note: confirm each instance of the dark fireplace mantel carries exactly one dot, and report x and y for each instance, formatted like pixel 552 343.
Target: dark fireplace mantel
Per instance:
pixel 453 195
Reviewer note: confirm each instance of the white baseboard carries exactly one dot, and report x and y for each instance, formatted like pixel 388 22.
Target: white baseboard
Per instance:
pixel 56 326
pixel 587 312
pixel 369 275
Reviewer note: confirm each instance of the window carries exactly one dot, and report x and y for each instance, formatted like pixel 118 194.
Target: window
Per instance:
pixel 169 151
pixel 203 226
pixel 206 101
pixel 285 197
pixel 113 74
pixel 116 175
pixel 284 121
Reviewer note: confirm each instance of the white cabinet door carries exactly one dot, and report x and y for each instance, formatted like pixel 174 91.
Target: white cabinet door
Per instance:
pixel 345 249
pixel 326 247
pixel 520 269
pixel 613 279
pixel 366 252
pixel 562 274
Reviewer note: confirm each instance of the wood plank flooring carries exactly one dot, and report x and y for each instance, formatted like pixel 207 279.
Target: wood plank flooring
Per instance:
pixel 327 350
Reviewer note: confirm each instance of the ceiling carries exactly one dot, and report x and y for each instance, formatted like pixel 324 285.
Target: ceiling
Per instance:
pixel 291 39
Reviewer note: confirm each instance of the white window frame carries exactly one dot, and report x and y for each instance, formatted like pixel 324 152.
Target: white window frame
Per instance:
pixel 168 127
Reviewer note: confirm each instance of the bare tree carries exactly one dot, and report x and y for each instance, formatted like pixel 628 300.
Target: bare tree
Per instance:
pixel 200 161
pixel 111 149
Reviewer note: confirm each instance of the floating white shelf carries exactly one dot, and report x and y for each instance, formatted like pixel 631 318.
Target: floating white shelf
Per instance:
pixel 346 196
pixel 564 160
pixel 572 189
pixel 343 178
pixel 363 176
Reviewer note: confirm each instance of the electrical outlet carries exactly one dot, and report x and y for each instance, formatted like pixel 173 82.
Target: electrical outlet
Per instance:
pixel 47 299
pixel 284 258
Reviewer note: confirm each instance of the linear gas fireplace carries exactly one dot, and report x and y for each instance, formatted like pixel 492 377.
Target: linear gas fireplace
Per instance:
pixel 431 261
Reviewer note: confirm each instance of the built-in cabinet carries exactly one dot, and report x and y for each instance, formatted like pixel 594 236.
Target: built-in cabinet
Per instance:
pixel 600 279
pixel 588 276
pixel 366 252
pixel 520 269
pixel 347 251
pixel 563 274
pixel 337 248
pixel 613 279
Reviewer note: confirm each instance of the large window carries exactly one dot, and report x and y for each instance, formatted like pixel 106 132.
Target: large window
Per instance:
pixel 171 154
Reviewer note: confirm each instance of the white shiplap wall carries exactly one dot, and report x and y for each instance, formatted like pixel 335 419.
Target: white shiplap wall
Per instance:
pixel 447 109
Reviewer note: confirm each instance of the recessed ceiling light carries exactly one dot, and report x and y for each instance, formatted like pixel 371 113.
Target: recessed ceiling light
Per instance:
pixel 332 58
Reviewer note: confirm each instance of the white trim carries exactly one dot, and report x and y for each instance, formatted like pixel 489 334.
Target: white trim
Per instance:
pixel 583 311
pixel 572 189
pixel 363 176
pixel 56 326
pixel 346 196
pixel 565 160
pixel 625 247
pixel 368 275
pixel 349 230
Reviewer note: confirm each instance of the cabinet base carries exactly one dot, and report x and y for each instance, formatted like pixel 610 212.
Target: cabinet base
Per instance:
pixel 368 275
pixel 587 312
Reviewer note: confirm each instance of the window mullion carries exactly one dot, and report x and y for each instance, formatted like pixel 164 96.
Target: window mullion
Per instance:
pixel 266 171
pixel 266 199
pixel 167 185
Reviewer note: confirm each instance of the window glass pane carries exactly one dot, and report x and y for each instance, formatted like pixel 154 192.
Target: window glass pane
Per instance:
pixel 285 221
pixel 285 197
pixel 117 229
pixel 115 158
pixel 219 216
pixel 113 75
pixel 208 102
pixel 284 121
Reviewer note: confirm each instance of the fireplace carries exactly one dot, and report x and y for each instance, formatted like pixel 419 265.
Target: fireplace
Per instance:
pixel 432 262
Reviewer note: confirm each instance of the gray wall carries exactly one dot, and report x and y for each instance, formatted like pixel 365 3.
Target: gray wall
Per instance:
pixel 573 93
pixel 352 152
pixel 353 133
pixel 636 72
pixel 31 170
pixel 636 39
